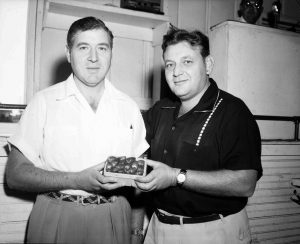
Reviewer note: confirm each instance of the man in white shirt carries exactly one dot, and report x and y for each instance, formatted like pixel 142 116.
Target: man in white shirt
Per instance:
pixel 65 134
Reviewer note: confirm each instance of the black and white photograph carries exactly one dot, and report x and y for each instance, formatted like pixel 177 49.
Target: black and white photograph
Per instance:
pixel 150 121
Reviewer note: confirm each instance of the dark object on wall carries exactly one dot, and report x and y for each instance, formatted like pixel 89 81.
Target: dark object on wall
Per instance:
pixel 151 6
pixel 283 25
pixel 274 14
pixel 250 10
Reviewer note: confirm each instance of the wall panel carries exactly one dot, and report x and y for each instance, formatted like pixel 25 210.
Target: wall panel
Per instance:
pixel 274 217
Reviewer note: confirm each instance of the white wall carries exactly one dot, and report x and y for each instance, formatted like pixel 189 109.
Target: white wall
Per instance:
pixel 13 19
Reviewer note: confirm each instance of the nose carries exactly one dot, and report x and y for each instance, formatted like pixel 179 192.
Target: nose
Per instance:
pixel 177 70
pixel 93 55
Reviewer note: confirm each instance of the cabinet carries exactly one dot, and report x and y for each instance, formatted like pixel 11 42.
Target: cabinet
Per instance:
pixel 258 64
pixel 136 62
pixel 261 66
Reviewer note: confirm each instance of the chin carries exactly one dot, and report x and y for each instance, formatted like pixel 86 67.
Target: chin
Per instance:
pixel 181 95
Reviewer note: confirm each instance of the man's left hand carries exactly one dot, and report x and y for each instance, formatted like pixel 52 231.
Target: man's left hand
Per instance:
pixel 162 176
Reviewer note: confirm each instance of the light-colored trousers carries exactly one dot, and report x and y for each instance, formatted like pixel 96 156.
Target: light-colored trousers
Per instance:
pixel 232 229
pixel 57 221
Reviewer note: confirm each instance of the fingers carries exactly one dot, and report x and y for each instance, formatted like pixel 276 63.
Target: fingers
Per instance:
pixel 145 186
pixel 112 186
pixel 107 179
pixel 146 183
pixel 145 179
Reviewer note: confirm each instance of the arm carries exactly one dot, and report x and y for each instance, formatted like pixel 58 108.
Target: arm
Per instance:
pixel 220 182
pixel 239 183
pixel 21 174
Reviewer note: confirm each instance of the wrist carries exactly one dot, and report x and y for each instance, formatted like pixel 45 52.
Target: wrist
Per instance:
pixel 181 177
pixel 174 176
pixel 75 182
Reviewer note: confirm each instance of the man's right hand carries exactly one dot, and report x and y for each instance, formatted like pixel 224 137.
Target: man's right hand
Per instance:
pixel 92 180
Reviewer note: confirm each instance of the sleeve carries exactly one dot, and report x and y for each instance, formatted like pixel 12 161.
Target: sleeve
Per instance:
pixel 140 144
pixel 241 142
pixel 28 137
pixel 149 120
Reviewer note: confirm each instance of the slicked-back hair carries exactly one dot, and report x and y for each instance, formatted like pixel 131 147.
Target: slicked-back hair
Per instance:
pixel 194 38
pixel 85 24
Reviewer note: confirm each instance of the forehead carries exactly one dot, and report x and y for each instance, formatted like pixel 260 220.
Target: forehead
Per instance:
pixel 181 49
pixel 91 36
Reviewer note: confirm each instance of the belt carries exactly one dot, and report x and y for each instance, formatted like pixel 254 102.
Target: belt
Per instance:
pixel 177 220
pixel 84 200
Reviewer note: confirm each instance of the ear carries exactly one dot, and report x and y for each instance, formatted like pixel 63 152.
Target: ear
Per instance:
pixel 68 53
pixel 209 63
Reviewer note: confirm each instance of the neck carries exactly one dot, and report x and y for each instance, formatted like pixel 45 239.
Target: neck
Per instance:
pixel 92 94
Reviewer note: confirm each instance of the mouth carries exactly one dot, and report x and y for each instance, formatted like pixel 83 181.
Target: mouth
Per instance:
pixel 93 69
pixel 179 82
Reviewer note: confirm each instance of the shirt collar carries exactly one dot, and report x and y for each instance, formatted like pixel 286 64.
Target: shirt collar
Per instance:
pixel 70 89
pixel 208 100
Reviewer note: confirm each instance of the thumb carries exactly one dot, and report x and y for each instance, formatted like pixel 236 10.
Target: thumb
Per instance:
pixel 151 163
pixel 99 166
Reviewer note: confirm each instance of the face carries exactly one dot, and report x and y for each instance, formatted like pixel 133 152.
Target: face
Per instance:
pixel 185 70
pixel 251 10
pixel 90 57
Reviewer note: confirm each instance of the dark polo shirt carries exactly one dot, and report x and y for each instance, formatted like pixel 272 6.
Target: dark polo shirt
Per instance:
pixel 230 140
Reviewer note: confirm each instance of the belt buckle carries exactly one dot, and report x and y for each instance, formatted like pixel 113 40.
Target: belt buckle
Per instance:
pixel 96 201
pixel 81 200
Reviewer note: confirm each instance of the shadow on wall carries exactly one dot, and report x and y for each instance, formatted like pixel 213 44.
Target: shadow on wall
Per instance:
pixel 61 70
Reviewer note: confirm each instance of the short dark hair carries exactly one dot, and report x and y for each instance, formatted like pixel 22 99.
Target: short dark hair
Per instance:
pixel 194 38
pixel 84 24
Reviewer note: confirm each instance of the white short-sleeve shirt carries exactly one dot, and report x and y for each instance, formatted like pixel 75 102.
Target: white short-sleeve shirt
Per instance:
pixel 59 130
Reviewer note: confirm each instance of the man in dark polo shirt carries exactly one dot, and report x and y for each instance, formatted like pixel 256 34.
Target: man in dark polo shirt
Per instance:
pixel 205 152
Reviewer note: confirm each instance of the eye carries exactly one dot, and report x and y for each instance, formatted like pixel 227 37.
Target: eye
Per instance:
pixel 83 47
pixel 102 48
pixel 187 62
pixel 169 65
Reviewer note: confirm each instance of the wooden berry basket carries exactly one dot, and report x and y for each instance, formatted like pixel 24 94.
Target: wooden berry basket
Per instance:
pixel 124 167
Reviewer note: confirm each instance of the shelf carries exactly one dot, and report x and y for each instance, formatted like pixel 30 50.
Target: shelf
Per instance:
pixel 107 13
pixel 250 27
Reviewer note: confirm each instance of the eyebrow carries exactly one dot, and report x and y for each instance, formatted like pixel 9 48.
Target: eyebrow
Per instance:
pixel 184 57
pixel 99 44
